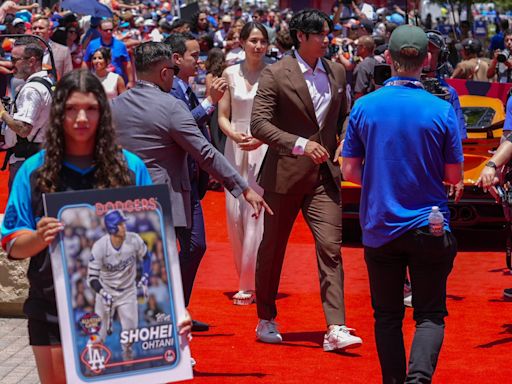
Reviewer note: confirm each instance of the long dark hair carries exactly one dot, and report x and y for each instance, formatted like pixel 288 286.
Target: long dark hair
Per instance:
pixel 105 53
pixel 248 27
pixel 111 169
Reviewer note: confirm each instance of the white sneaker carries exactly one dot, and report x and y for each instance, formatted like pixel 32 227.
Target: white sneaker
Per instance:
pixel 339 337
pixel 267 332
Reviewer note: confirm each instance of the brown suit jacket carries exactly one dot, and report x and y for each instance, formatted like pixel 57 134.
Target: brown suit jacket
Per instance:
pixel 283 111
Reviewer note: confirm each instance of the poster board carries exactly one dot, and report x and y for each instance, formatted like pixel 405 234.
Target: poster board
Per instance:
pixel 125 332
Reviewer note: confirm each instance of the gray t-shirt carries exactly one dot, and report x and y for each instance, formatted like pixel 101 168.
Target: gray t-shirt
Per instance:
pixel 363 75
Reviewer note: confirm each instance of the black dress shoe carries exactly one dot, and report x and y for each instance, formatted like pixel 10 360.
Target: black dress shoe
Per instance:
pixel 199 326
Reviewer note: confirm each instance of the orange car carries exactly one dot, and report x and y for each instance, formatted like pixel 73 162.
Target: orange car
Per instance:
pixel 484 121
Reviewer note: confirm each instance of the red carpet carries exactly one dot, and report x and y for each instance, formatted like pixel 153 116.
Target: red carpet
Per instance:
pixel 478 340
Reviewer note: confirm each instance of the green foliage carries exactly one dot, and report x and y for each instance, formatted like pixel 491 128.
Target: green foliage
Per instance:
pixel 503 5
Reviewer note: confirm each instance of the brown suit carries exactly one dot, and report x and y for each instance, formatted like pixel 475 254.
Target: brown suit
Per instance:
pixel 283 111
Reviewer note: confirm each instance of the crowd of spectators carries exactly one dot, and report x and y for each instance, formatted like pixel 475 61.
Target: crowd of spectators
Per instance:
pixel 75 39
pixel 360 35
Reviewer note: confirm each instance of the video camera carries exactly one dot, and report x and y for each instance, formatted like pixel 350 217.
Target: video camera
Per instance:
pixel 382 72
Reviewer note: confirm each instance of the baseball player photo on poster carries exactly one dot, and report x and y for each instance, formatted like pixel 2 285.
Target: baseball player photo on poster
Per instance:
pixel 118 286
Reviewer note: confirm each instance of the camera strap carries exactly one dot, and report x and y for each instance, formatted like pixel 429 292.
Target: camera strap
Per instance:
pixel 23 141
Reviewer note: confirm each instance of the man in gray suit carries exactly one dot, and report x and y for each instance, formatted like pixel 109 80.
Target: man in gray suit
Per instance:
pixel 161 130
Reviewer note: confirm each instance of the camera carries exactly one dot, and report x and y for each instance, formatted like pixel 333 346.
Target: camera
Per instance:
pixel 6 102
pixel 503 56
pixel 381 73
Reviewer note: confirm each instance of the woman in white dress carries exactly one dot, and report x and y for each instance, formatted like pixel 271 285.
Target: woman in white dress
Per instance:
pixel 112 82
pixel 245 153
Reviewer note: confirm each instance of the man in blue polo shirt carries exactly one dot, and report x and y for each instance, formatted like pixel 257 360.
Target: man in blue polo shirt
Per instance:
pixel 119 53
pixel 401 156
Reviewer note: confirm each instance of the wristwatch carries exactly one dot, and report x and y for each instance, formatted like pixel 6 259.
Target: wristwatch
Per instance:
pixel 491 164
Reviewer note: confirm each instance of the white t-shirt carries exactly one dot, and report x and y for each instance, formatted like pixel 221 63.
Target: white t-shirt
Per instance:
pixel 32 107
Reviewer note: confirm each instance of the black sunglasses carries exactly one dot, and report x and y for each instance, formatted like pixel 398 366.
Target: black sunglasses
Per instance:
pixel 175 68
pixel 108 30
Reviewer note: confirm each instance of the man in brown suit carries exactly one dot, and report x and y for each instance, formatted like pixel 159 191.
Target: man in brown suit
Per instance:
pixel 298 111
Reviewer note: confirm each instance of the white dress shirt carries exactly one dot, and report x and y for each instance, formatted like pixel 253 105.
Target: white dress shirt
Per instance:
pixel 320 92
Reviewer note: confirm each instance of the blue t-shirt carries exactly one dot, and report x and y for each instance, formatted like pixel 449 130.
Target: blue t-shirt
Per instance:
pixel 508 117
pixel 118 53
pixel 497 42
pixel 406 136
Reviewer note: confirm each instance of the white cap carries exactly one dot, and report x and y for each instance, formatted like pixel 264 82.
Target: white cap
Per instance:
pixel 149 23
pixel 17 21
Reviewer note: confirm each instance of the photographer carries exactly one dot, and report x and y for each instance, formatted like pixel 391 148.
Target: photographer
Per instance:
pixel 501 63
pixel 27 125
pixel 363 72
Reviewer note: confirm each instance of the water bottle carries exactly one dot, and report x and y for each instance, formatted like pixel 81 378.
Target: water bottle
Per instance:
pixel 436 222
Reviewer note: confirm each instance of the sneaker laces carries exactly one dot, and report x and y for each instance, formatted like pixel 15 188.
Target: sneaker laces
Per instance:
pixel 270 325
pixel 343 329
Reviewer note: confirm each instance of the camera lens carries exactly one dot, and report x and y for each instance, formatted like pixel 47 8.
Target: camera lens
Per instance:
pixel 502 56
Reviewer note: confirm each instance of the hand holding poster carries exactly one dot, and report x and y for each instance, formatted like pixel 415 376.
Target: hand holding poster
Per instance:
pixel 118 286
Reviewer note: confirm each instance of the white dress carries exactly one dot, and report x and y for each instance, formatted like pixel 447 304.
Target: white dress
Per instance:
pixel 110 84
pixel 244 231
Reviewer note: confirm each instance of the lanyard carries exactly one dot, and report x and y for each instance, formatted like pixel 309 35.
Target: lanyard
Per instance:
pixel 405 81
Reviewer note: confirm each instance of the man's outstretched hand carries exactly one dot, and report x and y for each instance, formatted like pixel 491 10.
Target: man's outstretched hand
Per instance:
pixel 256 201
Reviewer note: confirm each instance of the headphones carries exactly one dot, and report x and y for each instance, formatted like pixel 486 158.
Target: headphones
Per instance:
pixel 436 38
pixel 472 45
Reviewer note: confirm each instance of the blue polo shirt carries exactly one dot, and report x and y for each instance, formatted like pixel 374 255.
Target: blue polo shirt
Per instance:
pixel 118 53
pixel 406 136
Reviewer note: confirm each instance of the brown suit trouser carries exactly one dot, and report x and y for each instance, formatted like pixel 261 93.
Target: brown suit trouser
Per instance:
pixel 322 210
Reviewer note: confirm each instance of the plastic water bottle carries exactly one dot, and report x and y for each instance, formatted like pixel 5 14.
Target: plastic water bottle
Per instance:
pixel 436 221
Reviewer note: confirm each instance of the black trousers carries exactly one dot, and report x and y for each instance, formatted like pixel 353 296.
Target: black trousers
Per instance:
pixel 430 261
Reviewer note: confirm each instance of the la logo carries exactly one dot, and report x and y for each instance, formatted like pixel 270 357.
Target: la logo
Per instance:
pixel 95 357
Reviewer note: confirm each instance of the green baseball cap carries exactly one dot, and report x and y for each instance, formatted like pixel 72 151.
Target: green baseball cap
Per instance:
pixel 408 36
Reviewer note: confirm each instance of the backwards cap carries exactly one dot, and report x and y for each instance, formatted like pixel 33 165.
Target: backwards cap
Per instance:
pixel 408 36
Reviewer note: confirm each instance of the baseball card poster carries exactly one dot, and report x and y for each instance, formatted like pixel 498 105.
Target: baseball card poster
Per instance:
pixel 118 286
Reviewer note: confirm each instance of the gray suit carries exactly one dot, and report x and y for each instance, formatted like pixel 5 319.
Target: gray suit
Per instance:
pixel 161 130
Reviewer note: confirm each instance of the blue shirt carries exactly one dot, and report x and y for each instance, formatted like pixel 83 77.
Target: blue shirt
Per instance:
pixel 406 136
pixel 118 52
pixel 497 42
pixel 508 116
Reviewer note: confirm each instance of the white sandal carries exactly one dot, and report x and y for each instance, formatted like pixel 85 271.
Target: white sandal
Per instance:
pixel 244 298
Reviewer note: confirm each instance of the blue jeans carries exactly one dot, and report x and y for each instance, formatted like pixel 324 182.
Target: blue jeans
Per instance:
pixel 430 261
